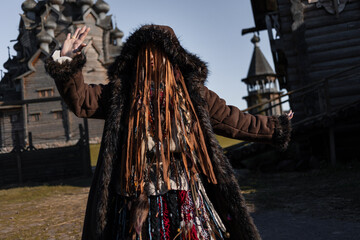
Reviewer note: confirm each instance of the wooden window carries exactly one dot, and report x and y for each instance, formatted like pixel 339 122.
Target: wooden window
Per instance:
pixel 58 114
pixel 14 118
pixel 35 117
pixel 45 92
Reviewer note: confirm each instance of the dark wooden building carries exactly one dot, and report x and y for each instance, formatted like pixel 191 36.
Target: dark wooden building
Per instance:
pixel 315 46
pixel 29 100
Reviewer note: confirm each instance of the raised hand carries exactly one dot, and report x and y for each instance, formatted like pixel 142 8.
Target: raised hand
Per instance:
pixel 74 44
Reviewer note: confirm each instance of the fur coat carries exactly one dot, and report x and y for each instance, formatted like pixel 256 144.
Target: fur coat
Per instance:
pixel 111 101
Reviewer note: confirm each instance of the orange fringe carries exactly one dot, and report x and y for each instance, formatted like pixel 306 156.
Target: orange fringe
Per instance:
pixel 135 165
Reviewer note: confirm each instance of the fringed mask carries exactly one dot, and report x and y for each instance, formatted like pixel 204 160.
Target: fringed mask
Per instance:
pixel 162 123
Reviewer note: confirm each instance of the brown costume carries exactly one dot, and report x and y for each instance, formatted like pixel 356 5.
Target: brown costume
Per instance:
pixel 111 102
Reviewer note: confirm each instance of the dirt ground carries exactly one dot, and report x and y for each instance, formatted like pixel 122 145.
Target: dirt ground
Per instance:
pixel 316 205
pixel 311 205
pixel 56 214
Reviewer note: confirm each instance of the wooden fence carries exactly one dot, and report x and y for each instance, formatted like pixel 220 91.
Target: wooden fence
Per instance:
pixel 30 165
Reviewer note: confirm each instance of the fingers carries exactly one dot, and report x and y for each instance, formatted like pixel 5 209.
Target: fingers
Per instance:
pixel 79 36
pixel 80 33
pixel 76 34
pixel 84 33
pixel 82 30
pixel 68 36
pixel 78 50
pixel 81 47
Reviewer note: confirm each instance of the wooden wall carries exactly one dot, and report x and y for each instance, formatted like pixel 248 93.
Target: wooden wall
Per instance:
pixel 11 122
pixel 320 47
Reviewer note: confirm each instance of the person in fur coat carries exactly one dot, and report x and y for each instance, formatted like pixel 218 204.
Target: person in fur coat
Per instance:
pixel 161 173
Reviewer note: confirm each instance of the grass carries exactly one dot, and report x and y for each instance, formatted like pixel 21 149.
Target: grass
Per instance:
pixel 27 194
pixel 227 142
pixel 94 153
pixel 43 212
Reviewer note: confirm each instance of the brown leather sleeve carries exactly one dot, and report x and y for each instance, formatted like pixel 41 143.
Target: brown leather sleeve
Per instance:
pixel 229 121
pixel 84 100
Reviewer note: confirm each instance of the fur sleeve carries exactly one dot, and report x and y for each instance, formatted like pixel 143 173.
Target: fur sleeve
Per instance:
pixel 63 71
pixel 229 121
pixel 84 100
pixel 282 131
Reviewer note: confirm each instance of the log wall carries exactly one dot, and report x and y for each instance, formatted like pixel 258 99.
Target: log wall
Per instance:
pixel 322 46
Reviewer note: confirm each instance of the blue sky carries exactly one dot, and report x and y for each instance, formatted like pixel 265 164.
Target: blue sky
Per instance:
pixel 209 28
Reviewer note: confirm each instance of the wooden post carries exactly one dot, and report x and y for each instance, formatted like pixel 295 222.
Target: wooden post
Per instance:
pixel 81 129
pixel 18 157
pixel 31 146
pixel 66 120
pixel 84 152
pixel 87 148
pixel 30 139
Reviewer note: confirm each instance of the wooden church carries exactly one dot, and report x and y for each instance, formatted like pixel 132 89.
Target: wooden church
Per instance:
pixel 315 46
pixel 29 100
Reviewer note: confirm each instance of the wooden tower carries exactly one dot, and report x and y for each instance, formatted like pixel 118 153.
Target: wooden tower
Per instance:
pixel 261 84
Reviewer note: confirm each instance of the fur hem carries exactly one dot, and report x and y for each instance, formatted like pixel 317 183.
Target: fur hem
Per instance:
pixel 62 71
pixel 282 132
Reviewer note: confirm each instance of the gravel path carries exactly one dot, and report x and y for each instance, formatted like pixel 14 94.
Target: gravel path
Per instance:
pixel 281 225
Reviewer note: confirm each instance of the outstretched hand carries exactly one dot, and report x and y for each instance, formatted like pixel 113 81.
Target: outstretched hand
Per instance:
pixel 74 44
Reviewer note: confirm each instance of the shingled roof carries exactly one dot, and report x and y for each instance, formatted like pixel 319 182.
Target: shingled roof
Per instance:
pixel 259 66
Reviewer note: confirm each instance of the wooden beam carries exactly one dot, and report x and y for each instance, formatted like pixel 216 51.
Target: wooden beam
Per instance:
pixel 26 101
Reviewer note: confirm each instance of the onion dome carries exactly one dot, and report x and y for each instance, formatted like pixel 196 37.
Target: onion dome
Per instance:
pixel 117 33
pixel 86 2
pixel 7 64
pixel 255 40
pixel 17 46
pixel 57 2
pixel 28 5
pixel 50 24
pixel 44 37
pixel 101 6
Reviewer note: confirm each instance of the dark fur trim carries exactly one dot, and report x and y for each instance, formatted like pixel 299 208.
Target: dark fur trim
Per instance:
pixel 139 212
pixel 66 69
pixel 282 132
pixel 111 142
